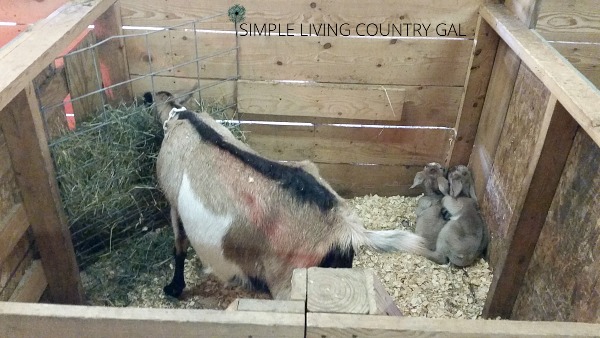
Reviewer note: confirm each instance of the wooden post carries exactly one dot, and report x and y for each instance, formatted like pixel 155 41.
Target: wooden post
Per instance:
pixel 23 129
pixel 111 54
pixel 511 267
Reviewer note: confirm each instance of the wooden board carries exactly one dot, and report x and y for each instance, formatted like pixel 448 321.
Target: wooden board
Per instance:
pixel 33 320
pixel 28 147
pixel 497 100
pixel 321 325
pixel 585 57
pixel 476 84
pixel 526 10
pixel 335 144
pixel 32 285
pixel 516 156
pixel 15 266
pixel 155 13
pixel 573 90
pixel 25 57
pixel 512 263
pixel 9 191
pixel 270 305
pixel 322 100
pixel 562 280
pixel 51 88
pixel 384 61
pixel 569 20
pixel 13 226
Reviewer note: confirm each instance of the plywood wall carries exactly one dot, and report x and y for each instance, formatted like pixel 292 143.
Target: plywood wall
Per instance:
pixel 410 82
pixel 562 282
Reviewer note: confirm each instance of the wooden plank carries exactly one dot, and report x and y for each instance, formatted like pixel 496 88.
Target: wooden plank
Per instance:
pixel 32 285
pixel 383 61
pixel 25 57
pixel 299 282
pixel 516 158
pixel 583 56
pixel 23 129
pixel 511 267
pixel 380 302
pixel 83 77
pixel 12 227
pixel 51 90
pixel 476 84
pixel 155 13
pixel 573 91
pixel 502 81
pixel 111 55
pixel 270 305
pixel 569 20
pixel 343 325
pixel 15 266
pixel 27 11
pixel 33 320
pixel 359 180
pixel 526 10
pixel 562 280
pixel 322 100
pixel 337 291
pixel 350 145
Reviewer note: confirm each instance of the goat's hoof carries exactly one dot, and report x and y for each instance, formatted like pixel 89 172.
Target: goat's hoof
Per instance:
pixel 174 290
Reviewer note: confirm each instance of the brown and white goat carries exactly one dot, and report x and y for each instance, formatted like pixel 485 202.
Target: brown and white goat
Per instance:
pixel 251 219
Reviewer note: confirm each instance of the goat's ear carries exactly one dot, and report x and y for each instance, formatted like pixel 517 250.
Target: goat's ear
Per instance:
pixel 455 187
pixel 419 178
pixel 443 185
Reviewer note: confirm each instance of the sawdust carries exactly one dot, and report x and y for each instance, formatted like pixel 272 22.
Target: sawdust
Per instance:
pixel 420 287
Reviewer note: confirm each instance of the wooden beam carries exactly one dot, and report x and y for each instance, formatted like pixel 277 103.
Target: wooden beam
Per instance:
pixel 554 145
pixel 26 56
pixel 23 129
pixel 321 325
pixel 45 320
pixel 476 84
pixel 32 285
pixel 111 54
pixel 579 96
pixel 271 305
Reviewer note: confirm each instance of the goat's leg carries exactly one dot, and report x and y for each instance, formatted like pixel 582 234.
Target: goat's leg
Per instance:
pixel 175 288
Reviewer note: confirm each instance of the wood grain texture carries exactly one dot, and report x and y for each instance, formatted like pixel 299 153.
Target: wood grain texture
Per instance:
pixel 526 10
pixel 27 55
pixel 32 285
pixel 321 325
pixel 33 320
pixel 155 13
pixel 52 88
pixel 322 100
pixel 573 90
pixel 584 57
pixel 13 226
pixel 15 266
pixel 83 77
pixel 515 159
pixel 497 100
pixel 111 56
pixel 271 305
pixel 383 61
pixel 569 20
pixel 28 147
pixel 561 283
pixel 337 291
pixel 299 284
pixel 512 265
pixel 336 144
pixel 476 84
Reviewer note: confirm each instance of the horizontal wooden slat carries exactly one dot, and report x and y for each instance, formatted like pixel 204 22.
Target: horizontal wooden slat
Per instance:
pixel 583 56
pixel 573 91
pixel 343 325
pixel 26 57
pixel 15 266
pixel 561 20
pixel 34 320
pixel 335 144
pixel 32 285
pixel 156 13
pixel 12 227
pixel 403 61
pixel 322 100
pixel 359 180
pixel 270 305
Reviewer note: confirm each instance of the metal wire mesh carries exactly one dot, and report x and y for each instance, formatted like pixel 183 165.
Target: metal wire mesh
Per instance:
pixel 105 166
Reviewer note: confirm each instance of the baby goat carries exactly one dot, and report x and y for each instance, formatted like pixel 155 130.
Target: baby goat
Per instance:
pixel 251 219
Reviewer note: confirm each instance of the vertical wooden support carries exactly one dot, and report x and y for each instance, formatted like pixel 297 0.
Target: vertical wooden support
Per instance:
pixel 23 129
pixel 111 54
pixel 555 142
pixel 476 85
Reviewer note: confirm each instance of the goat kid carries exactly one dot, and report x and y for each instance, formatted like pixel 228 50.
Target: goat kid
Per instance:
pixel 250 219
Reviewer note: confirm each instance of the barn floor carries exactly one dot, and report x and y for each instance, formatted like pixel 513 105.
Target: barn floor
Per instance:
pixel 135 274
